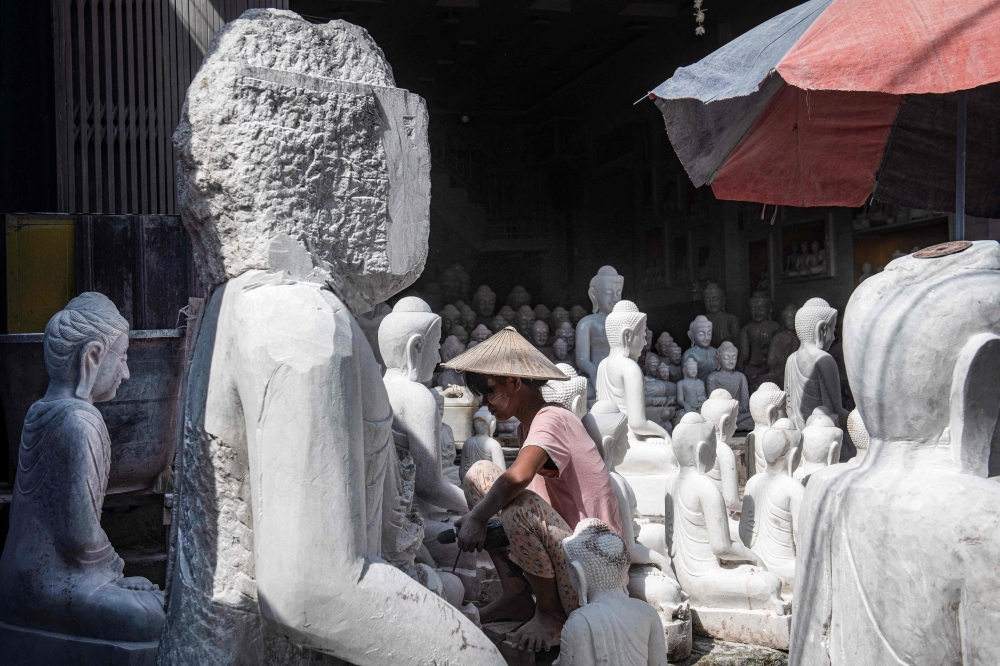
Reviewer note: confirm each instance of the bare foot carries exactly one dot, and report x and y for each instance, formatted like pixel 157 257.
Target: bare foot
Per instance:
pixel 508 608
pixel 541 633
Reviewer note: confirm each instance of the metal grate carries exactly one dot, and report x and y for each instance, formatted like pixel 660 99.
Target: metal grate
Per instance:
pixel 122 69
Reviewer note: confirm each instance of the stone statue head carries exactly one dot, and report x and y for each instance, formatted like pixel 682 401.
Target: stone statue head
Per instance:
pixel 409 339
pixel 467 316
pixel 626 328
pixel 484 423
pixel 866 268
pixel 859 436
pixel 518 297
pixel 651 366
pixel 676 354
pixel 700 332
pixel 714 297
pixel 760 307
pixel 663 372
pixel 560 349
pixel 821 441
pixel 570 394
pixel 451 283
pixel 780 443
pixel 648 344
pixel 576 313
pixel 86 347
pixel 788 317
pixel 767 404
pixel 480 333
pixel 450 317
pixel 525 320
pixel 694 442
pixel 663 344
pixel 542 313
pixel 727 355
pixel 927 329
pixel 721 409
pixel 450 348
pixel 498 324
pixel 690 368
pixel 804 248
pixel 558 317
pixel 540 333
pixel 815 246
pixel 608 427
pixel 567 333
pixel 459 332
pixel 484 301
pixel 508 314
pixel 245 197
pixel 816 323
pixel 597 557
pixel 605 289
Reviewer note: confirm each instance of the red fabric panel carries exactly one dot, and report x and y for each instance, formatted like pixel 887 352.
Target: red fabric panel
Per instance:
pixel 898 46
pixel 815 148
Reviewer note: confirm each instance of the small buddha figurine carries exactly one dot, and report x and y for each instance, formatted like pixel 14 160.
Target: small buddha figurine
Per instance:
pixel 783 344
pixel 450 317
pixel 451 348
pixel 656 390
pixel 568 333
pixel 755 338
pixel 459 332
pixel 725 325
pixel 479 334
pixel 767 405
pixel 526 321
pixel 518 297
pixel 484 301
pixel 481 446
pixel 702 351
pixel 699 536
pixel 859 436
pixel 540 337
pixel 570 394
pixel 821 441
pixel 451 283
pixel 802 261
pixel 771 503
pixel 663 344
pixel 676 358
pixel 733 381
pixel 558 317
pixel 408 339
pixel 509 315
pixel 59 573
pixel 498 324
pixel 591 340
pixel 812 378
pixel 690 390
pixel 816 261
pixel 542 313
pixel 792 262
pixel 721 409
pixel 866 272
pixel 670 391
pixel 576 314
pixel 609 627
pixel 560 353
pixel 467 317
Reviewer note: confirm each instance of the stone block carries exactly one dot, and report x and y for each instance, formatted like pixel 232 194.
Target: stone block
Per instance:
pixel 677 634
pixel 32 647
pixel 755 627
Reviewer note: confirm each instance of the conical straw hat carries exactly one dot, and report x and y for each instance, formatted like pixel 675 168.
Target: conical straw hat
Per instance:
pixel 507 354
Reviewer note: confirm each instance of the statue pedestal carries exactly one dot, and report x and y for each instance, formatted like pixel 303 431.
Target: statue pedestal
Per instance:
pixel 756 627
pixel 31 647
pixel 677 634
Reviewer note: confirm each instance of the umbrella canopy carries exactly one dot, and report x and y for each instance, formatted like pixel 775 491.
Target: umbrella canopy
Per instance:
pixel 835 99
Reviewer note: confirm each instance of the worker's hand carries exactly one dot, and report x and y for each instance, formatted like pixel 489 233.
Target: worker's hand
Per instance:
pixel 471 533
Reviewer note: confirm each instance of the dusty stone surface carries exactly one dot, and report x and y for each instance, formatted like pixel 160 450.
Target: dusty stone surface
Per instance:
pixel 709 652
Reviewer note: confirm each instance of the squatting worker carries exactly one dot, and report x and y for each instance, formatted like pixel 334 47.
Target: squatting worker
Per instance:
pixel 557 480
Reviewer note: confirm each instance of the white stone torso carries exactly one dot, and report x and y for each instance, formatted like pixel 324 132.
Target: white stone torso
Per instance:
pixel 771 523
pixel 613 629
pixel 593 327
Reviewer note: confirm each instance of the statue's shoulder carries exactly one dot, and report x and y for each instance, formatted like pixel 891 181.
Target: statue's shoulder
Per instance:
pixel 64 415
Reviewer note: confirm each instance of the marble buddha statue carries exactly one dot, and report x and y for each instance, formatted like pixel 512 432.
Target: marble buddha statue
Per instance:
pixel 732 380
pixel 542 313
pixel 699 537
pixel 59 573
pixel 408 339
pixel 479 334
pixel 725 325
pixel 558 317
pixel 620 380
pixel 771 502
pixel 576 314
pixel 571 394
pixel 783 344
pixel 670 390
pixel 721 409
pixel 467 317
pixel 509 315
pixel 609 627
pixel 450 317
pixel 756 337
pixel 498 324
pixel 656 391
pixel 591 340
pixel 767 405
pixel 663 344
pixel 858 434
pixel 568 333
pixel 821 441
pixel 526 321
pixel 816 261
pixel 673 362
pixel 458 331
pixel 561 353
pixel 291 497
pixel 540 337
pixel 922 349
pixel 812 378
pixel 518 297
pixel 691 393
pixel 484 302
pixel 481 446
pixel 702 351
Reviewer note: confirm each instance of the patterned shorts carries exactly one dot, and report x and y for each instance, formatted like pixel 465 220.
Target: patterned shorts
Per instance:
pixel 533 527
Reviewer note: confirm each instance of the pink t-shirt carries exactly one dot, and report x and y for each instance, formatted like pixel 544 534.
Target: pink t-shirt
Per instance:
pixel 581 488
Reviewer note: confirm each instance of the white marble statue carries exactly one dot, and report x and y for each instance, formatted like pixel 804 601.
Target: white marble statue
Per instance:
pixel 608 627
pixel 591 339
pixel 771 503
pixel 858 434
pixel 811 376
pixel 898 555
pixel 732 380
pixel 701 350
pixel 690 391
pixel 451 348
pixel 722 410
pixel 767 405
pixel 620 380
pixel 481 446
pixel 821 441
pixel 570 394
pixel 59 573
pixel 291 498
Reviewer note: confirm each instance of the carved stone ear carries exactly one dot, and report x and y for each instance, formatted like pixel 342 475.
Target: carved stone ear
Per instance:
pixel 90 364
pixel 593 299
pixel 772 414
pixel 581 580
pixel 413 348
pixel 975 403
pixel 702 464
pixel 792 459
pixel 833 456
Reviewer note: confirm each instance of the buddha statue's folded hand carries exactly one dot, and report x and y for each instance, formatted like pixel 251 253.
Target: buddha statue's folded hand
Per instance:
pixel 137 583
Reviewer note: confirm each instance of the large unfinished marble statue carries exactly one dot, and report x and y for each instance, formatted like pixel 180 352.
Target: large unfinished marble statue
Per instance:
pixel 821 441
pixel 735 382
pixel 722 410
pixel 608 627
pixel 591 339
pixel 922 348
pixel 767 405
pixel 570 394
pixel 725 325
pixel 701 350
pixel 481 446
pixel 59 573
pixel 304 183
pixel 620 380
pixel 811 376
pixel 771 503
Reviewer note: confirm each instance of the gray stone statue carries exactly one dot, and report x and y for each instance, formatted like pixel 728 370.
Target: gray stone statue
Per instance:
pixel 725 325
pixel 591 339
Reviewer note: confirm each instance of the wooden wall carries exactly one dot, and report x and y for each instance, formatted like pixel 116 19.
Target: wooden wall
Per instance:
pixel 122 68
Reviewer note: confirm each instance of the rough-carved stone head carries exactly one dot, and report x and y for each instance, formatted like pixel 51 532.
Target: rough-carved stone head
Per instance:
pixel 760 307
pixel 576 313
pixel 663 372
pixel 570 394
pixel 450 317
pixel 517 297
pixel 484 301
pixel 484 423
pixel 568 333
pixel 651 366
pixel 663 344
pixel 598 559
pixel 409 339
pixel 721 409
pixel 450 348
pixel 779 443
pixel 558 317
pixel 605 289
pixel 700 332
pixel 693 440
pixel 815 323
pixel 304 160
pixel 560 350
pixel 676 354
pixel 480 333
pixel 467 316
pixel 508 313
pixel 690 368
pixel 540 333
pixel 714 297
pixel 727 355
pixel 767 404
pixel 788 317
pixel 498 324
pixel 821 441
pixel 86 347
pixel 626 328
pixel 542 313
pixel 459 332
pixel 525 320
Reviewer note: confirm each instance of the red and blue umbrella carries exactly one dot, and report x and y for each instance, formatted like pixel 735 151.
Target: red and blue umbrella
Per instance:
pixel 834 100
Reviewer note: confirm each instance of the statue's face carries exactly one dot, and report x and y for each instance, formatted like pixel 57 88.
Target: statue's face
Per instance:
pixel 498 324
pixel 649 340
pixel 675 355
pixel 112 371
pixel 559 349
pixel 526 321
pixel 576 314
pixel 691 370
pixel 508 313
pixel 788 319
pixel 469 320
pixel 701 335
pixel 713 301
pixel 606 293
pixel 484 303
pixel 480 334
pixel 664 372
pixel 759 309
pixel 804 248
pixel 448 321
pixel 568 334
pixel 728 360
pixel 540 334
pixel 663 346
pixel 652 365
